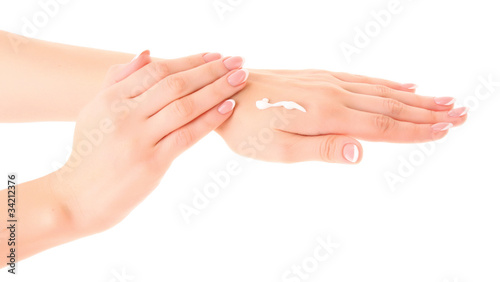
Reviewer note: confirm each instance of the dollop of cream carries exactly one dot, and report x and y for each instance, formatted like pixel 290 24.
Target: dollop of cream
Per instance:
pixel 289 105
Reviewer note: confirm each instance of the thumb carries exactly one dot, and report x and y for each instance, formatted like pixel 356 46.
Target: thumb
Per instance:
pixel 117 73
pixel 326 148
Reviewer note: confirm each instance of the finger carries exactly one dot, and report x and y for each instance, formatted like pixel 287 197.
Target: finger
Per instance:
pixel 183 83
pixel 119 72
pixel 347 77
pixel 144 78
pixel 402 112
pixel 182 138
pixel 378 127
pixel 431 103
pixel 326 148
pixel 193 61
pixel 186 109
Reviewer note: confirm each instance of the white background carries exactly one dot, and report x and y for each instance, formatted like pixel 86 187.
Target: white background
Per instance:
pixel 440 224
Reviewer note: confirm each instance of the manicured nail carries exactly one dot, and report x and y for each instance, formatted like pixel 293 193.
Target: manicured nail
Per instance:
pixel 233 63
pixel 210 57
pixel 238 77
pixel 442 126
pixel 226 107
pixel 444 101
pixel 410 86
pixel 458 112
pixel 145 52
pixel 351 152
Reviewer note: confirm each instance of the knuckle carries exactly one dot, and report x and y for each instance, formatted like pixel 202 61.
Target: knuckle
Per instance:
pixel 161 69
pixel 382 90
pixel 328 148
pixel 384 123
pixel 184 137
pixel 183 108
pixel 433 116
pixel 393 106
pixel 214 70
pixel 176 84
pixel 192 61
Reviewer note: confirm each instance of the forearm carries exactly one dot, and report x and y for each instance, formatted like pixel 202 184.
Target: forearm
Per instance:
pixel 42 221
pixel 45 81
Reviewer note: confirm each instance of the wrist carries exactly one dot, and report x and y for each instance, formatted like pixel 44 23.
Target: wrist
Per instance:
pixel 62 214
pixel 85 209
pixel 66 207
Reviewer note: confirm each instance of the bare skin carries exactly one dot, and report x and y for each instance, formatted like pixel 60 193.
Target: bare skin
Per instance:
pixel 68 83
pixel 125 139
pixel 342 106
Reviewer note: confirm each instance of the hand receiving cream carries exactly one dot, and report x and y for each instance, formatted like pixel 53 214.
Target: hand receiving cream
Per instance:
pixel 264 104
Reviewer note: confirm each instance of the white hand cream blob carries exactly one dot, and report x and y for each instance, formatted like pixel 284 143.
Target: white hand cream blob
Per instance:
pixel 264 104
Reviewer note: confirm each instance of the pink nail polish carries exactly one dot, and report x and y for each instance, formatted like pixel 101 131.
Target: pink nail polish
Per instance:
pixel 410 86
pixel 458 112
pixel 351 153
pixel 442 126
pixel 226 107
pixel 238 77
pixel 233 63
pixel 210 57
pixel 145 52
pixel 444 101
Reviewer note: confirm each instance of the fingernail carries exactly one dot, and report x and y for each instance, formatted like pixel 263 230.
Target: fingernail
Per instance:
pixel 444 101
pixel 145 52
pixel 210 57
pixel 410 86
pixel 442 126
pixel 238 77
pixel 458 112
pixel 351 153
pixel 226 107
pixel 233 63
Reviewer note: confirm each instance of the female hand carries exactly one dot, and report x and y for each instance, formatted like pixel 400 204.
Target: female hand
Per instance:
pixel 145 116
pixel 340 107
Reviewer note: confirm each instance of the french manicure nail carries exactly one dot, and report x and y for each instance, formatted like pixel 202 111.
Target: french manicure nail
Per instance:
pixel 226 107
pixel 233 63
pixel 442 126
pixel 238 77
pixel 351 152
pixel 410 86
pixel 444 101
pixel 142 53
pixel 210 57
pixel 458 112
